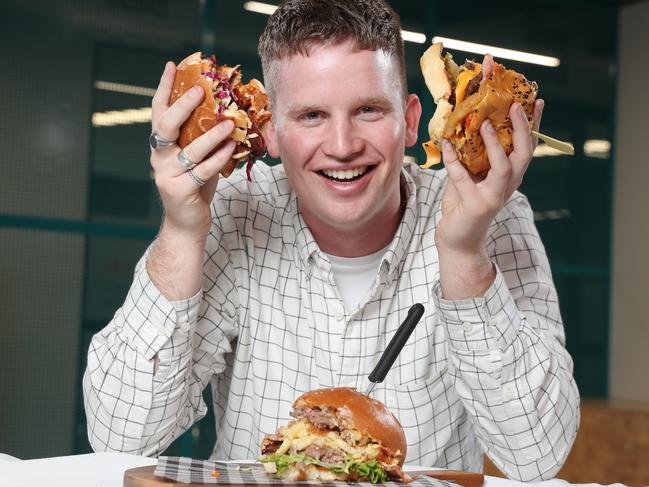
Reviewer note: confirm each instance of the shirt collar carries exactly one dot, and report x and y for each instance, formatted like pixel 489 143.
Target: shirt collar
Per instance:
pixel 305 243
pixel 307 247
pixel 398 248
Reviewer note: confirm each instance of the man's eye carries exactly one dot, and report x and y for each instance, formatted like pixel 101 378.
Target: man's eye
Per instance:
pixel 312 115
pixel 370 113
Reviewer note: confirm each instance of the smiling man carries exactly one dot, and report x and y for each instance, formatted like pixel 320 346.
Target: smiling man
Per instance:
pixel 342 147
pixel 297 280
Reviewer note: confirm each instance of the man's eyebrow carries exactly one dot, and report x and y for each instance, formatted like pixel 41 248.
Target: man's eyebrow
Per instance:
pixel 297 109
pixel 382 101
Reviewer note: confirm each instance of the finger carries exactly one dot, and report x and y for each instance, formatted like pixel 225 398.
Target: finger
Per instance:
pixel 457 173
pixel 500 173
pixel 487 68
pixel 522 138
pixel 203 145
pixel 211 166
pixel 537 114
pixel 168 125
pixel 160 101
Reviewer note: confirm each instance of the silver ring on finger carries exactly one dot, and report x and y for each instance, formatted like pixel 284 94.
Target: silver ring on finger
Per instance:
pixel 195 178
pixel 185 161
pixel 157 142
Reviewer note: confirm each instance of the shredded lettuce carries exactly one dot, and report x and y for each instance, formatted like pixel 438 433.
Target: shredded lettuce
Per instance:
pixel 371 470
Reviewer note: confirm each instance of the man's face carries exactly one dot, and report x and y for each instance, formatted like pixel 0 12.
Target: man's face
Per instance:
pixel 340 125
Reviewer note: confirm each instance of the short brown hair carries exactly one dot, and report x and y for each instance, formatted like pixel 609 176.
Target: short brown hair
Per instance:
pixel 297 25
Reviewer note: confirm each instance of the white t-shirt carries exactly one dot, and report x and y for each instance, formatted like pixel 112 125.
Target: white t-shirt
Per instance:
pixel 355 276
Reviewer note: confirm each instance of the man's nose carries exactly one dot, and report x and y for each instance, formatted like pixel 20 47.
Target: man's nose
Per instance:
pixel 343 141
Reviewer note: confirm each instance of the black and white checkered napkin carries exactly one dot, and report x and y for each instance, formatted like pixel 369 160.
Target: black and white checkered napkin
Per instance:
pixel 189 470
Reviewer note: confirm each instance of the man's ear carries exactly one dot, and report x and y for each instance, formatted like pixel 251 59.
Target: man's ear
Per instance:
pixel 270 136
pixel 413 114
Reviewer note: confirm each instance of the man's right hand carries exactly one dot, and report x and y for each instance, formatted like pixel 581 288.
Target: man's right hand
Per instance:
pixel 186 204
pixel 175 261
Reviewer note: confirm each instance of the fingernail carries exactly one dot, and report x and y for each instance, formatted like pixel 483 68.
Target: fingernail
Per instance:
pixel 488 126
pixel 519 109
pixel 195 91
pixel 541 104
pixel 446 145
pixel 227 125
pixel 168 66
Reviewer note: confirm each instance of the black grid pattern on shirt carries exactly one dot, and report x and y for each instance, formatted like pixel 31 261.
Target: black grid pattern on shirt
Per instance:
pixel 489 374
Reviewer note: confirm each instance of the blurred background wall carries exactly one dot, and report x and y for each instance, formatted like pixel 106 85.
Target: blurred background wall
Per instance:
pixel 78 207
pixel 630 279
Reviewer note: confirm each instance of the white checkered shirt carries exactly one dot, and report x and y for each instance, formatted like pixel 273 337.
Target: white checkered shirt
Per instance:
pixel 488 374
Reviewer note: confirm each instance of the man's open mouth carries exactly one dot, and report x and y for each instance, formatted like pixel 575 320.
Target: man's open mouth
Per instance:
pixel 346 175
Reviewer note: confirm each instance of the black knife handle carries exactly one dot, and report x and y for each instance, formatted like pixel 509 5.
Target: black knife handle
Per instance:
pixel 396 344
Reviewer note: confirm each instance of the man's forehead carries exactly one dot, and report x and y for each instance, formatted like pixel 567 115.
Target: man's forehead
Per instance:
pixel 318 51
pixel 342 61
pixel 329 71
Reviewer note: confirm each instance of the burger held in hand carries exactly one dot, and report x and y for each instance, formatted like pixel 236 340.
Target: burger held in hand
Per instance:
pixel 337 434
pixel 226 97
pixel 465 99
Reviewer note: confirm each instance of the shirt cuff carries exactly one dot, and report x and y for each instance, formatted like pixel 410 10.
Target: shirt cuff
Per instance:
pixel 150 319
pixel 479 324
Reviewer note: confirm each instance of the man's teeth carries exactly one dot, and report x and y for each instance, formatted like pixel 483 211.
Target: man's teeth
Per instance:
pixel 345 173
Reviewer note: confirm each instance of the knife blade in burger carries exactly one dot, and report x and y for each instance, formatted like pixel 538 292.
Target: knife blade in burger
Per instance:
pixel 464 100
pixel 226 97
pixel 337 434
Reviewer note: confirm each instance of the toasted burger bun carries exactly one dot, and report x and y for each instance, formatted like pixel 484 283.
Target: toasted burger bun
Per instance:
pixel 225 98
pixel 367 415
pixel 464 102
pixel 331 428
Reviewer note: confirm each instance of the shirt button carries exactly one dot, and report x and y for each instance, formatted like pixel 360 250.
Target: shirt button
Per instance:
pixel 185 327
pixel 509 392
pixel 340 314
pixel 492 321
pixel 467 327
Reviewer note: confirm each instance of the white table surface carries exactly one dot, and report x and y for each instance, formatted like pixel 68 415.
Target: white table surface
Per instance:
pixel 107 470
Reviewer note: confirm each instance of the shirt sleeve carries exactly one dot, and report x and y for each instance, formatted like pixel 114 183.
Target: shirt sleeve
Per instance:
pixel 508 358
pixel 130 408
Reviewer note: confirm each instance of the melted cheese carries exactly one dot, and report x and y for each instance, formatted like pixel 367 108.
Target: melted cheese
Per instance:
pixel 463 81
pixel 433 155
pixel 299 435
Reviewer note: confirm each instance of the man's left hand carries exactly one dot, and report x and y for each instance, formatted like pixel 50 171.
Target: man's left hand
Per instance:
pixel 471 203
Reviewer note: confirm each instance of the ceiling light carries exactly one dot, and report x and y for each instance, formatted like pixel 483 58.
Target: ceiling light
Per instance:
pixel 599 148
pixel 268 9
pixel 498 52
pixel 122 88
pixel 417 37
pixel 260 7
pixel 121 117
pixel 552 214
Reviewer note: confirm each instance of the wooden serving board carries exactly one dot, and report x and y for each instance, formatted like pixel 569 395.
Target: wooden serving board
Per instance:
pixel 143 477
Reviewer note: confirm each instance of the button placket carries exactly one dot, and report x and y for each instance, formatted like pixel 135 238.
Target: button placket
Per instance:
pixel 339 313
